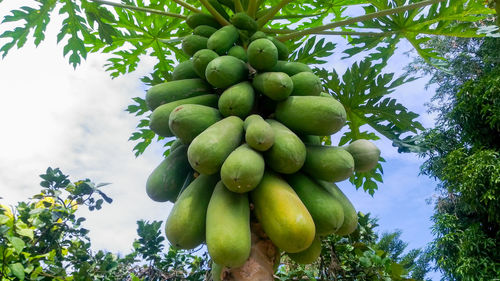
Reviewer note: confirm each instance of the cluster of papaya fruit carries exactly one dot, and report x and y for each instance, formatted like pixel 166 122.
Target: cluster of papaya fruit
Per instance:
pixel 248 125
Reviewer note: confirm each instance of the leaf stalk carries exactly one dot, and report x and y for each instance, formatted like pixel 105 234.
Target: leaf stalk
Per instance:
pixel 188 6
pixel 271 13
pixel 142 9
pixel 214 13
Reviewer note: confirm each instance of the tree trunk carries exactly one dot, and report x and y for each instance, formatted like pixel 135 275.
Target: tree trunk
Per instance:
pixel 263 260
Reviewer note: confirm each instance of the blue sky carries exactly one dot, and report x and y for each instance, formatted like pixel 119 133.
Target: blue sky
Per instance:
pixel 75 120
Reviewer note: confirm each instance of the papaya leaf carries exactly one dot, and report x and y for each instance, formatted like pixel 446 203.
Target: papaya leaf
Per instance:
pixel 312 50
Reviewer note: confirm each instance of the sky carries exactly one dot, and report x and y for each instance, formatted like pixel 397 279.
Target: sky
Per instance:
pixel 54 115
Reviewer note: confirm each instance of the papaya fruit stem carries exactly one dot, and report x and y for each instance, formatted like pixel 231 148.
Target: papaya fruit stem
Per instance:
pixel 366 17
pixel 188 6
pixel 214 13
pixel 142 9
pixel 237 6
pixel 252 8
pixel 273 11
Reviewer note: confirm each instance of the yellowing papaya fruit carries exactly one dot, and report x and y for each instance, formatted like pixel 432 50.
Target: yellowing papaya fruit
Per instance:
pixel 282 215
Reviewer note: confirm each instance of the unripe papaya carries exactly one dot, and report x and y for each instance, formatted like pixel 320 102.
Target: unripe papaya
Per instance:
pixel 325 210
pixel 282 215
pixel 262 54
pixel 258 35
pixel 184 70
pixel 311 115
pixel 238 52
pixel 243 21
pixel 197 19
pixel 259 135
pixel 193 43
pixel 201 60
pixel 208 151
pixel 326 95
pixel 225 71
pixel 204 30
pixel 159 119
pixel 328 163
pixel 223 39
pixel 237 100
pixel 288 153
pixel 185 226
pixel 306 84
pixel 291 67
pixel 309 139
pixel 365 154
pixel 350 215
pixel 275 85
pixel 176 144
pixel 309 255
pixel 282 48
pixel 228 227
pixel 189 120
pixel 243 169
pixel 166 180
pixel 176 90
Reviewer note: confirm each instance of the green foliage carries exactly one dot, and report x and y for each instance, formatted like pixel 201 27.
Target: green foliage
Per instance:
pixel 363 255
pixel 463 154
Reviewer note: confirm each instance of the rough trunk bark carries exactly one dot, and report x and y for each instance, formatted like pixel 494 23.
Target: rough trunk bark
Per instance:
pixel 263 260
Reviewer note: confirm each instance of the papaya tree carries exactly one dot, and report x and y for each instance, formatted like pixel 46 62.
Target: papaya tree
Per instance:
pixel 242 100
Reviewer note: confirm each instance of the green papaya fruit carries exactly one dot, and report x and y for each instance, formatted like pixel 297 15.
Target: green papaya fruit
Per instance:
pixel 262 54
pixel 193 43
pixel 238 52
pixel 237 100
pixel 208 151
pixel 166 180
pixel 326 95
pixel 216 272
pixel 282 215
pixel 350 215
pixel 326 211
pixel 328 163
pixel 228 227
pixel 290 67
pixel 159 119
pixel 309 139
pixel 225 71
pixel 288 153
pixel 243 21
pixel 223 39
pixel 189 120
pixel 282 48
pixel 184 70
pixel 185 226
pixel 275 85
pixel 365 154
pixel 176 144
pixel 197 19
pixel 204 30
pixel 306 84
pixel 176 90
pixel 258 35
pixel 311 115
pixel 243 169
pixel 259 135
pixel 201 60
pixel 218 7
pixel 309 255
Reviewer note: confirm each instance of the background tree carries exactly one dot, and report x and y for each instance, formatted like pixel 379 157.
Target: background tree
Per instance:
pixel 463 154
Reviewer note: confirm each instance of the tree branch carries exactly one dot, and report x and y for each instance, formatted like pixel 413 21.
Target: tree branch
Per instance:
pixel 214 13
pixel 147 10
pixel 358 19
pixel 237 6
pixel 188 6
pixel 252 8
pixel 270 14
